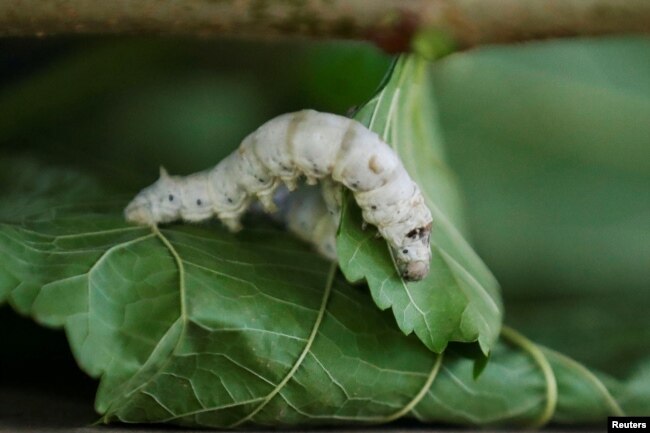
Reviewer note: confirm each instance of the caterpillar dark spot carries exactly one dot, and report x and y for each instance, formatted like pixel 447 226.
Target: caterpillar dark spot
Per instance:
pixel 316 146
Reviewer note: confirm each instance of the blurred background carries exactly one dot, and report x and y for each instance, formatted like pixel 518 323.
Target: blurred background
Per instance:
pixel 550 143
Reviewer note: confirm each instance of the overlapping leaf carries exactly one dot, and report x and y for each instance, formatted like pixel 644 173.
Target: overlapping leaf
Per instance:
pixel 194 326
pixel 459 300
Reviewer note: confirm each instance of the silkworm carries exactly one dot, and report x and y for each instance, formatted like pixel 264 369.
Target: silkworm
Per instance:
pixel 313 145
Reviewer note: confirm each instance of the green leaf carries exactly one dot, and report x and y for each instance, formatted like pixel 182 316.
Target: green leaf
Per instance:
pixel 551 148
pixel 557 171
pixel 459 300
pixel 634 395
pixel 194 326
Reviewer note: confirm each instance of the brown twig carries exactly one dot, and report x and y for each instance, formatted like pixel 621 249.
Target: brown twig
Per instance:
pixel 389 23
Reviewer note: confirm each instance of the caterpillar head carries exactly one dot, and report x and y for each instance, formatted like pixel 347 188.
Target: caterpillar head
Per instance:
pixel 413 256
pixel 159 202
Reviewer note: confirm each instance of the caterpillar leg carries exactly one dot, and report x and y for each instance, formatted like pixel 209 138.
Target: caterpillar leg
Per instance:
pixel 233 224
pixel 266 199
pixel 291 182
pixel 332 193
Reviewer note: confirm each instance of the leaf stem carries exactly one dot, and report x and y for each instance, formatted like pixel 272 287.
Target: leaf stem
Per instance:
pixel 420 395
pixel 305 351
pixel 549 376
pixel 611 402
pixel 181 269
pixel 181 276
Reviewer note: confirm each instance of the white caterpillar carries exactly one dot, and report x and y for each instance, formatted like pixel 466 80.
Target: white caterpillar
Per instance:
pixel 317 146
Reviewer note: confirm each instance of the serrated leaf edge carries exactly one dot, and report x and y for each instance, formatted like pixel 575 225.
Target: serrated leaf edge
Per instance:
pixel 389 131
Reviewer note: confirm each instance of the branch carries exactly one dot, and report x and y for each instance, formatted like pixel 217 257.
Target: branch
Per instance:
pixel 389 23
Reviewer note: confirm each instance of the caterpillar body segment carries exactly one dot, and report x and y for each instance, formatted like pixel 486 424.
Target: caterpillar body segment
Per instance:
pixel 320 147
pixel 309 218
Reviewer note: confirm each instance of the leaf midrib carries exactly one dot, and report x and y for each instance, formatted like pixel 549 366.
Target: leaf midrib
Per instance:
pixel 183 317
pixel 303 354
